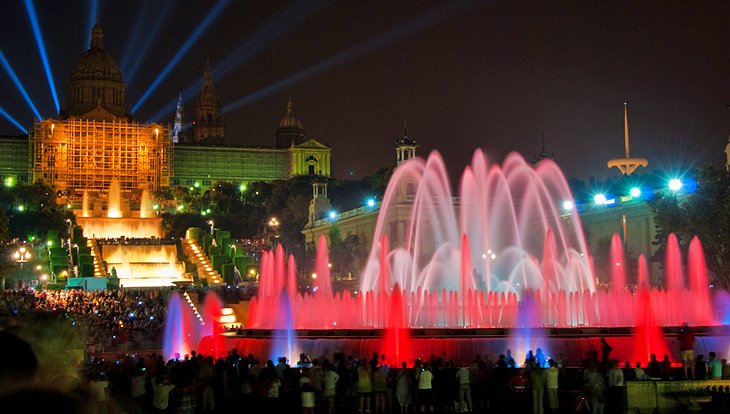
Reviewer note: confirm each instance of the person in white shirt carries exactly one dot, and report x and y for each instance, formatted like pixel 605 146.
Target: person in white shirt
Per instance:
pixel 462 378
pixel 640 373
pixel 161 388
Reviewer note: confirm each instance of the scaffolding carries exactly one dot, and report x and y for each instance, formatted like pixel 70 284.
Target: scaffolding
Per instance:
pixel 78 155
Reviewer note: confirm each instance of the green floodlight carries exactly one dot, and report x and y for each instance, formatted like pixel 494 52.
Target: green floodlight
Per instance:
pixel 9 182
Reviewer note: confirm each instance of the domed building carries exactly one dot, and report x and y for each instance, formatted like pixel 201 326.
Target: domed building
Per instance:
pixel 93 142
pixel 95 82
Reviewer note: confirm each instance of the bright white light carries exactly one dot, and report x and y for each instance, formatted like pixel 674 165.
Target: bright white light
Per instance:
pixel 635 192
pixel 371 202
pixel 675 184
pixel 599 199
pixel 568 205
pixel 333 214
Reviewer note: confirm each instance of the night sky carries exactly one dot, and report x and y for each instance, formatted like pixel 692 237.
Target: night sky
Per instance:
pixel 496 75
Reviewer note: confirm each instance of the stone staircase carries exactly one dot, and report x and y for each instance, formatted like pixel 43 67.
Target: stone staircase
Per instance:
pixel 100 269
pixel 195 254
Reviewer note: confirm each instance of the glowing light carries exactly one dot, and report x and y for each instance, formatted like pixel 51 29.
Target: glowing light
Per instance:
pixel 332 215
pixel 207 21
pixel 635 192
pixel 180 207
pixel 242 188
pixel 371 202
pixel 314 275
pixel 42 49
pixel 19 85
pixel 675 184
pixel 599 199
pixel 378 42
pixel 13 120
pixel 568 205
pixel 21 208
pixel 9 182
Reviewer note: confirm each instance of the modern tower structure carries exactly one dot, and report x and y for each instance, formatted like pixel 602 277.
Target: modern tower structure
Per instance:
pixel 627 165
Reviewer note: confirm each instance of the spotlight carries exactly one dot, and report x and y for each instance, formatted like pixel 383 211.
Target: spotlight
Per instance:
pixel 371 202
pixel 635 192
pixel 207 21
pixel 380 41
pixel 568 205
pixel 599 199
pixel 332 215
pixel 19 85
pixel 12 120
pixel 42 49
pixel 675 184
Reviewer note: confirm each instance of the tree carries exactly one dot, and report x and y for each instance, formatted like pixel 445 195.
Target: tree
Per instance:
pixel 704 213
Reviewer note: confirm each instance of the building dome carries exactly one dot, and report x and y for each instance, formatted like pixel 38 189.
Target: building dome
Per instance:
pixel 96 63
pixel 95 80
pixel 290 131
pixel 289 120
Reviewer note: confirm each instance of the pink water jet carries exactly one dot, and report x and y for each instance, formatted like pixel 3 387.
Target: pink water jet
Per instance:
pixel 468 262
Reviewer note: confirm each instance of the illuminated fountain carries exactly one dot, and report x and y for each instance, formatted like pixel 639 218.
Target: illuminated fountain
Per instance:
pixel 144 262
pixel 188 329
pixel 504 254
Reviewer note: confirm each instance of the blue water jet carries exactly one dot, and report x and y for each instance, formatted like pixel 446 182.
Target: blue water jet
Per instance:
pixel 284 342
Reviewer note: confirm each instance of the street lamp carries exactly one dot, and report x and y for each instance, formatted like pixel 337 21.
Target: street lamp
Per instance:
pixel 22 255
pixel 274 224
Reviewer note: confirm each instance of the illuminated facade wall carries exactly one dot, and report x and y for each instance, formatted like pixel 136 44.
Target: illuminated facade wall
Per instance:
pixel 203 164
pixel 14 160
pixel 86 155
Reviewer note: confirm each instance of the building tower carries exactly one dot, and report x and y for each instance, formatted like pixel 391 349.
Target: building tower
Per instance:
pixel 319 205
pixel 290 131
pixel 177 126
pixel 543 154
pixel 95 82
pixel 208 126
pixel 405 147
pixel 627 165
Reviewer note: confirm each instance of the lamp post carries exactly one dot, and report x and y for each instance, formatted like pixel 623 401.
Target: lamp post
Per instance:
pixel 22 255
pixel 274 224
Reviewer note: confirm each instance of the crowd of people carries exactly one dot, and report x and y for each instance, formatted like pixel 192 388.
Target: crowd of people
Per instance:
pixel 124 320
